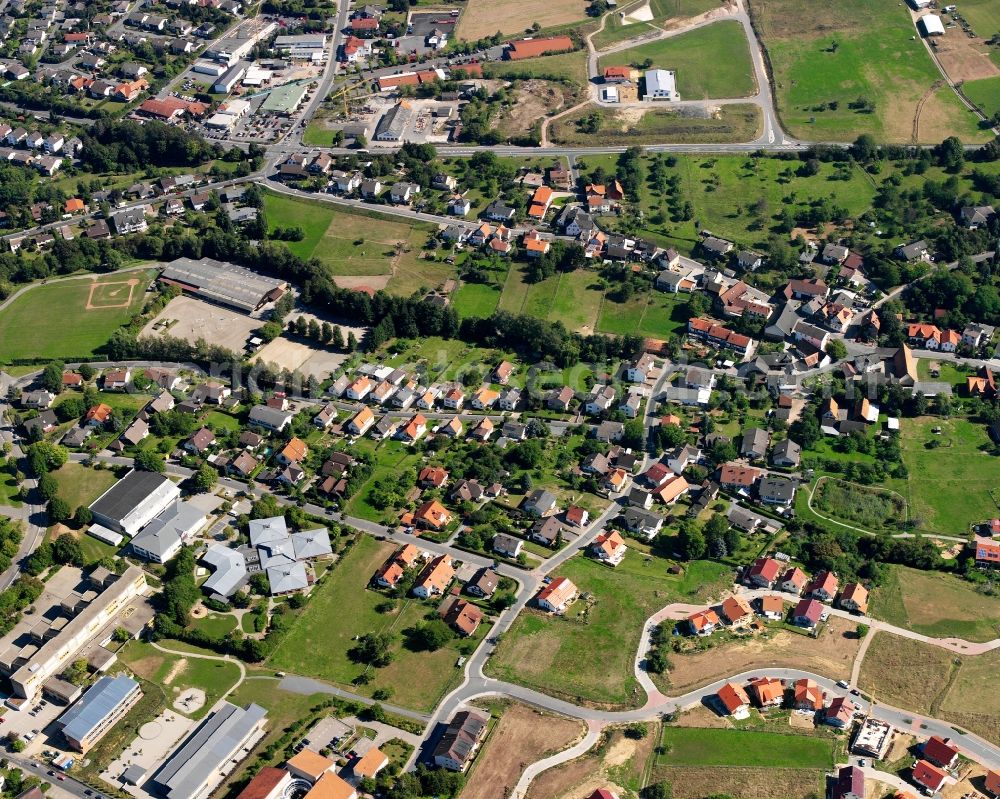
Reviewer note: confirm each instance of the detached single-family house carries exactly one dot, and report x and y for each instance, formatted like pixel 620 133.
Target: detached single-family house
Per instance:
pixel 557 595
pixel 807 613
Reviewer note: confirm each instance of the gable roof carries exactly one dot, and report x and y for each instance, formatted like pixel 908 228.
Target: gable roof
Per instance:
pixel 733 697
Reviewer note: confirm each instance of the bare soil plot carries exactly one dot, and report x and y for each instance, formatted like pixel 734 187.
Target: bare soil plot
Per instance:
pixel 695 782
pixel 616 763
pixel 533 100
pixel 190 319
pixel 297 356
pixel 832 654
pixel 522 736
pixel 483 18
pixel 964 58
pixel 905 673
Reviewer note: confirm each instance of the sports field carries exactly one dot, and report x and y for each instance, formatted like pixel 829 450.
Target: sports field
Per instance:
pixel 89 310
pixel 936 604
pixel 350 244
pixel 588 654
pixel 952 485
pixel 694 746
pixel 826 60
pixel 731 76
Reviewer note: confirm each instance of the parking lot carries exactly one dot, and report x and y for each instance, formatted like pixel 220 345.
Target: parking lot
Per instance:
pixel 190 319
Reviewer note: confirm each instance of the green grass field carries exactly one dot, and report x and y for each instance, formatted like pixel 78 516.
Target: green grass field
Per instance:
pixel 75 331
pixel 985 93
pixel 80 485
pixel 948 486
pixel 475 299
pixel 177 674
pixel 614 31
pixel 731 76
pixel 693 746
pixel 654 314
pixel 9 487
pixel 344 607
pixel 733 123
pixel 588 654
pixel 728 191
pixel 936 604
pixel 857 48
pixel 667 9
pixel 565 66
pixel 982 15
pixel 358 244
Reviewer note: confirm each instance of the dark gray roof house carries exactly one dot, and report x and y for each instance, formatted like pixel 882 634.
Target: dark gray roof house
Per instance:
pixel 786 453
pixel 755 443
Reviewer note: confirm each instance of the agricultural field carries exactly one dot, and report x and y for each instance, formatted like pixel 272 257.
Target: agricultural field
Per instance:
pixel 935 604
pixel 384 250
pixel 176 674
pixel 90 310
pixel 482 18
pixel 522 735
pixel 694 746
pixel 685 54
pixel 869 508
pixel 951 484
pixel 681 9
pixel 344 607
pixel 731 123
pixel 475 299
pixel 587 655
pixel 831 654
pixel 857 50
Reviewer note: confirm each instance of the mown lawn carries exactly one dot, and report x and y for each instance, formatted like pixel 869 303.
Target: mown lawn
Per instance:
pixel 837 53
pixel 344 607
pixel 692 746
pixel 588 654
pixel 81 485
pixel 75 331
pixel 655 314
pixel 731 76
pixel 985 93
pixel 935 604
pixel 949 485
pixel 475 299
